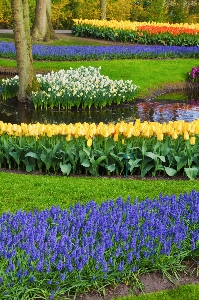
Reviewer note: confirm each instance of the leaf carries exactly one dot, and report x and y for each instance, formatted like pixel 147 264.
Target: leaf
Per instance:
pixel 87 151
pixel 56 147
pixel 134 163
pixel 32 154
pixel 111 168
pixel 170 171
pixel 191 172
pixel 181 161
pixel 162 158
pixel 85 163
pixel 29 166
pixel 146 169
pixel 165 149
pixel 81 155
pixel 98 161
pixel 151 155
pixel 116 158
pixel 1 158
pixel 66 169
pixel 143 149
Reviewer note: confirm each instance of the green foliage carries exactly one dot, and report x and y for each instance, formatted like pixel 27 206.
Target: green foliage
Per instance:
pixel 63 11
pixel 104 157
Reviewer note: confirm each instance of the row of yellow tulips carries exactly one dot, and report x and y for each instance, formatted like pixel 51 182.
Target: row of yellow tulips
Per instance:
pixel 128 25
pixel 126 130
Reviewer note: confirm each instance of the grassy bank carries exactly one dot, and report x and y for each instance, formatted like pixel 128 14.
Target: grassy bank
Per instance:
pixel 147 74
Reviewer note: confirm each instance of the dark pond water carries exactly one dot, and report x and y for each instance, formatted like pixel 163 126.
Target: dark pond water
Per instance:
pixel 182 105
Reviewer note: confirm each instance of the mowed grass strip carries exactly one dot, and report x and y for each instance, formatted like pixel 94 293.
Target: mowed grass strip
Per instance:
pixel 28 192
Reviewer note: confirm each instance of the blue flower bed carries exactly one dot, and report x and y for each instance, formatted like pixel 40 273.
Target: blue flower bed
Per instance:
pixel 72 53
pixel 58 251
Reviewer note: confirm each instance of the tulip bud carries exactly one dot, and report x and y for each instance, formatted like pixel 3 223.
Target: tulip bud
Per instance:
pixel 89 142
pixel 186 136
pixel 160 136
pixel 192 140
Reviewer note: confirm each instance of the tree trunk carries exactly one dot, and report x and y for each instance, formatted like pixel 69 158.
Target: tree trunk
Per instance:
pixel 42 27
pixel 23 45
pixel 103 9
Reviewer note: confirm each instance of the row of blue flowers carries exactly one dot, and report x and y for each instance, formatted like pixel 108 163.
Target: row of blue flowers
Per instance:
pixel 57 251
pixel 60 53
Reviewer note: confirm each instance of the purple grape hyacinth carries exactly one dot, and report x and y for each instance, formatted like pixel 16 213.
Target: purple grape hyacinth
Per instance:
pixel 96 241
pixel 71 53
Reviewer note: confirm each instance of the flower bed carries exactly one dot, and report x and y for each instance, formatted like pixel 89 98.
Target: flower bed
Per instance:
pixel 83 87
pixel 139 148
pixel 55 251
pixel 78 53
pixel 139 32
pixel 193 76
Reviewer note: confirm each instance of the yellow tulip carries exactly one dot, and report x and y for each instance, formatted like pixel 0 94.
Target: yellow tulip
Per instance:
pixel 186 136
pixel 160 136
pixel 174 135
pixel 192 140
pixel 89 142
pixel 68 138
pixel 115 137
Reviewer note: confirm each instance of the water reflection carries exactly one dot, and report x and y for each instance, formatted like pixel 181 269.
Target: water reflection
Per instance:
pixel 166 108
pixel 15 113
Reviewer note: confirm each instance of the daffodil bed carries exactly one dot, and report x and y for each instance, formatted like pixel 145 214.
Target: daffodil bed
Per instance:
pixel 54 252
pixel 139 32
pixel 81 87
pixel 123 148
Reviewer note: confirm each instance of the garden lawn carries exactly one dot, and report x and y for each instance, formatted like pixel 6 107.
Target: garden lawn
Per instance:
pixel 185 292
pixel 27 192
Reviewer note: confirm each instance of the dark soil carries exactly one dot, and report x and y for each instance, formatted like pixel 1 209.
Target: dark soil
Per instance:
pixel 152 282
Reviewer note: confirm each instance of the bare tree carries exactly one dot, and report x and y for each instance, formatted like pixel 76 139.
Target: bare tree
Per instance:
pixel 103 9
pixel 23 45
pixel 42 27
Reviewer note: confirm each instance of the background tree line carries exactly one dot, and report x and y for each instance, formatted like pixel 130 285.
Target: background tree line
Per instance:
pixel 63 11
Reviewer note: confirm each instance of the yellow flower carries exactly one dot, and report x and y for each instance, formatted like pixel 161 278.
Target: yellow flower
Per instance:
pixel 174 135
pixel 115 137
pixel 89 142
pixel 122 141
pixel 192 140
pixel 160 136
pixel 68 138
pixel 186 136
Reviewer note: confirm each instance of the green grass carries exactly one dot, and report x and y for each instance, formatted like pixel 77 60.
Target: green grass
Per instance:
pixel 184 292
pixel 27 192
